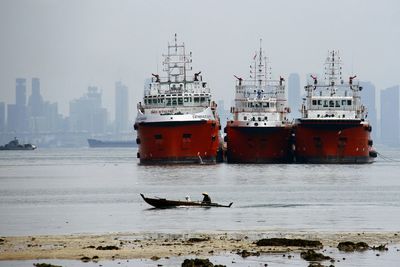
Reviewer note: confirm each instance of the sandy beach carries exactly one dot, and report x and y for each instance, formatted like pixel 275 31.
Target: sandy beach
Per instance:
pixel 161 245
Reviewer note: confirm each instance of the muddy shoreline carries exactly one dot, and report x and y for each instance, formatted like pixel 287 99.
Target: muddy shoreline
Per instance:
pixel 165 245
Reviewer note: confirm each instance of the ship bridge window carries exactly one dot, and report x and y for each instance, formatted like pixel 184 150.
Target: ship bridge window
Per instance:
pixel 245 118
pixel 331 104
pixel 186 99
pixel 319 102
pixel 349 102
pixel 196 100
pixel 180 101
pixel 202 99
pixel 337 104
pixel 259 118
pixel 314 102
pixel 174 101
pixel 154 100
pixel 168 101
pixel 325 103
pixel 266 105
pixel 343 102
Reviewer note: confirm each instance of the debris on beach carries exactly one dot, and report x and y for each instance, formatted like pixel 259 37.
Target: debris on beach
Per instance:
pixel 380 247
pixel 244 253
pixel 85 259
pixel 199 263
pixel 285 242
pixel 107 247
pixel 311 255
pixel 348 246
pixel 45 265
pixel 197 239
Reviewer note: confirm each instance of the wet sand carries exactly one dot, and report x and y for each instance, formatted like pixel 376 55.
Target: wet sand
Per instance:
pixel 154 245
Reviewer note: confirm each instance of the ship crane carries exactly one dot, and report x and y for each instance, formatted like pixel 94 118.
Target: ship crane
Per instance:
pixel 239 79
pixel 196 75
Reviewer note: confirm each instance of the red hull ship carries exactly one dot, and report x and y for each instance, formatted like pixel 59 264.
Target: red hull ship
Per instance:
pixel 177 123
pixel 333 127
pixel 259 131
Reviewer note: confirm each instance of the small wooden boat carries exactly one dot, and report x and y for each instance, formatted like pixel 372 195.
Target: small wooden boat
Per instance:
pixel 165 203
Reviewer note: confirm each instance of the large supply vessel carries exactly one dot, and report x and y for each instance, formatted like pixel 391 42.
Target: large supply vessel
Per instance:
pixel 333 126
pixel 111 143
pixel 177 121
pixel 259 131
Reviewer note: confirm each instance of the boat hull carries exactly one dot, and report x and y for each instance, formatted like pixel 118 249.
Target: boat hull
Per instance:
pixel 99 143
pixel 258 144
pixel 166 203
pixel 178 142
pixel 333 141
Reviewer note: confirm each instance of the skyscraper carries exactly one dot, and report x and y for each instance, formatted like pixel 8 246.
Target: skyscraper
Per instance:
pixel 368 97
pixel 121 108
pixel 35 102
pixel 390 118
pixel 2 116
pixel 87 114
pixel 17 115
pixel 20 92
pixel 294 96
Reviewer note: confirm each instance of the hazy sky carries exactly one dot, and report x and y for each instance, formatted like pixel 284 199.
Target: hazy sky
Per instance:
pixel 72 44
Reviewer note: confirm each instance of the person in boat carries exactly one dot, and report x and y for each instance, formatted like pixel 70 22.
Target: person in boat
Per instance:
pixel 206 198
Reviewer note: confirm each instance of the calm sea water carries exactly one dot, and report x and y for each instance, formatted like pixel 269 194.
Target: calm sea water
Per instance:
pixel 62 191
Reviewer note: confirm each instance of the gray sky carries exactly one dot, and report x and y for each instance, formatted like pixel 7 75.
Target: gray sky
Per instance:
pixel 72 44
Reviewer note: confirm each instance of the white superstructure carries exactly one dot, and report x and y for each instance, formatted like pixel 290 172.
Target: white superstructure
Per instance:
pixel 333 99
pixel 179 96
pixel 260 101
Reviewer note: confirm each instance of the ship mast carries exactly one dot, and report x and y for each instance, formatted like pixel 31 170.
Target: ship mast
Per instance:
pixel 177 63
pixel 260 70
pixel 333 70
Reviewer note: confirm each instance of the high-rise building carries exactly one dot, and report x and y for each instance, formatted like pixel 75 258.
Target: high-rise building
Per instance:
pixel 87 114
pixel 390 116
pixel 35 102
pixel 17 115
pixel 2 117
pixel 294 96
pixel 368 97
pixel 121 107
pixel 20 92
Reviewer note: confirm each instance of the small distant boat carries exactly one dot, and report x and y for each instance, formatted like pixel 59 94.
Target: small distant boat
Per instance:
pixel 15 145
pixel 100 143
pixel 165 203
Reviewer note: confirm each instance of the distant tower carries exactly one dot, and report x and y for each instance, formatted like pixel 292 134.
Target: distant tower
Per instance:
pixel 121 108
pixel 368 97
pixel 2 117
pixel 17 115
pixel 20 92
pixel 390 116
pixel 294 96
pixel 35 102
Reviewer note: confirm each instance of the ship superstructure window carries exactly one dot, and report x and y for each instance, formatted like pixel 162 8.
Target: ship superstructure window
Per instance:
pixel 314 102
pixel 245 118
pixel 349 102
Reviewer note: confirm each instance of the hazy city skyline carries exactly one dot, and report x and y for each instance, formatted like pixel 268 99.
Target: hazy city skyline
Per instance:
pixel 71 45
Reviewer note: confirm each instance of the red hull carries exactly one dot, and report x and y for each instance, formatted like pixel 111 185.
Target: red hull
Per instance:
pixel 178 142
pixel 258 144
pixel 332 142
